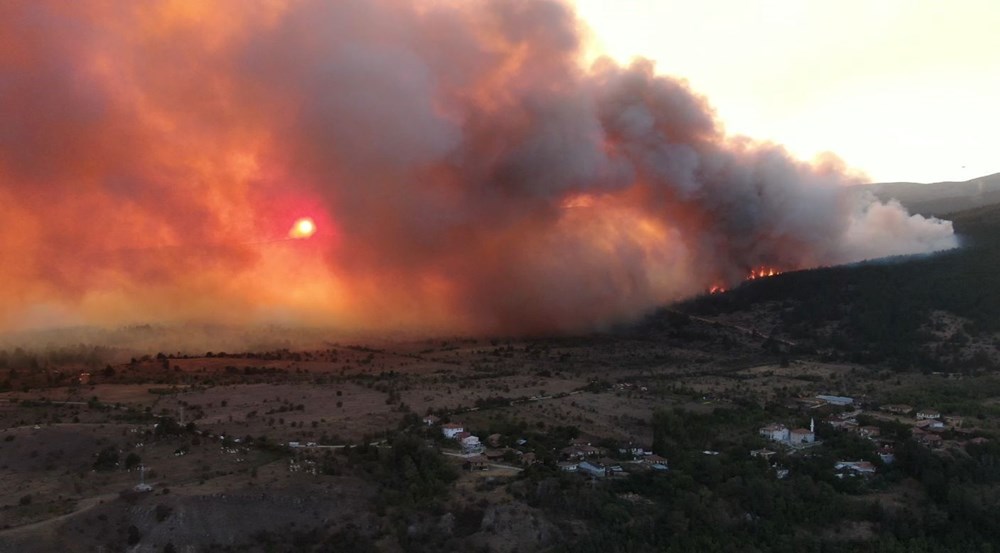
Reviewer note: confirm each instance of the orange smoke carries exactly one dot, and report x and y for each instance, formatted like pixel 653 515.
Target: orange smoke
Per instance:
pixel 466 171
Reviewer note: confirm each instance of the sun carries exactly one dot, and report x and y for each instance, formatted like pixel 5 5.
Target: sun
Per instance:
pixel 304 227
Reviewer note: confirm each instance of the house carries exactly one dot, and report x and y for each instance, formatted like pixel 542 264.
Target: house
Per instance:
pixel 847 415
pixel 836 400
pixel 765 453
pixel 928 414
pixel 595 470
pixel 775 432
pixel 568 467
pixel 953 420
pixel 870 432
pixel 431 420
pixel 580 451
pixel 897 409
pixel 469 442
pixel 476 462
pixel 887 454
pixel 842 424
pixel 611 466
pixel 653 459
pixel 452 429
pixel 801 436
pixel 632 449
pixel 855 467
pixel 930 440
pixel 494 455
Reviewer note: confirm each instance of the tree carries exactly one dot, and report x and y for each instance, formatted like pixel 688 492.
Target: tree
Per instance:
pixel 133 535
pixel 107 459
pixel 132 460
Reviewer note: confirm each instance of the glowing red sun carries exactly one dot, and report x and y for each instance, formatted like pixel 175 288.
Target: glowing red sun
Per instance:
pixel 304 227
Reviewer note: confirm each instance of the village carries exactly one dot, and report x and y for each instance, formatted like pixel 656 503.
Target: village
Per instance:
pixel 184 430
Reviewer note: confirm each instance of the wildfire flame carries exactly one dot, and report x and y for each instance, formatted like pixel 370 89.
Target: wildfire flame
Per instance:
pixel 716 289
pixel 762 272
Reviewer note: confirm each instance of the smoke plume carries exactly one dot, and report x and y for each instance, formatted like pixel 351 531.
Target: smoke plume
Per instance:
pixel 463 167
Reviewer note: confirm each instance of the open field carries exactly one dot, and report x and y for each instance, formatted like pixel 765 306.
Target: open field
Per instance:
pixel 230 417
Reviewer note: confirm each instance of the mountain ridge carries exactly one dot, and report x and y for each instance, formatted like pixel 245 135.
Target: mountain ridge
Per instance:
pixel 938 198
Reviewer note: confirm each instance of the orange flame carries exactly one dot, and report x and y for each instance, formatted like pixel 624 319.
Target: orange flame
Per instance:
pixel 762 272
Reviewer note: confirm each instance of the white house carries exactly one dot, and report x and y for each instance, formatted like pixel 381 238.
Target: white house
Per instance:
pixel 857 467
pixel 568 467
pixel 887 455
pixel 452 429
pixel 927 414
pixel 781 434
pixel 775 432
pixel 631 449
pixel 469 442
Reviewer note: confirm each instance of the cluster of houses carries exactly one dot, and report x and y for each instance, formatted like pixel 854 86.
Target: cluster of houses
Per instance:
pixel 584 458
pixel 801 437
pixel 477 456
pixel 794 438
pixel 455 431
pixel 926 426
pixel 579 457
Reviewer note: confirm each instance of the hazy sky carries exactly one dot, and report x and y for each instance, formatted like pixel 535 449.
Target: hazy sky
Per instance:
pixel 461 169
pixel 901 89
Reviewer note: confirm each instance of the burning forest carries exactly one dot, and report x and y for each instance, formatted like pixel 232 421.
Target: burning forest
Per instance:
pixel 441 165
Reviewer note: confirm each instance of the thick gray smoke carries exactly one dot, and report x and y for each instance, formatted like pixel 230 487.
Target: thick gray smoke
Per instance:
pixel 465 169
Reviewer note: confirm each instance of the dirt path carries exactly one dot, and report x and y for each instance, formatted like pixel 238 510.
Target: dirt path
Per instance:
pixel 749 331
pixel 81 506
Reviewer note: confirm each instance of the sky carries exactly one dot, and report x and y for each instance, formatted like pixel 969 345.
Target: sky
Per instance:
pixel 904 90
pixel 461 166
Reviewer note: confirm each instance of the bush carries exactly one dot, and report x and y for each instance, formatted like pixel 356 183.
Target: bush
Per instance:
pixel 132 460
pixel 107 459
pixel 162 512
pixel 133 535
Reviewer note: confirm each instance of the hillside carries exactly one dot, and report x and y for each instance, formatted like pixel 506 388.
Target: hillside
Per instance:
pixel 939 198
pixel 931 312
